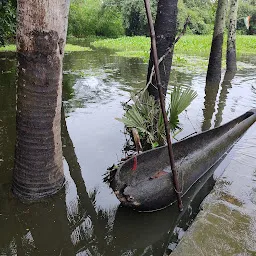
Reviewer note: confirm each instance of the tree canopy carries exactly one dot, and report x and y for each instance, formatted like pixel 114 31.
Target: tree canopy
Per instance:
pixel 114 18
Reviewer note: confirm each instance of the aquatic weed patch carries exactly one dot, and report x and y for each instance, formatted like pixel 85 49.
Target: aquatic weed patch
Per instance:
pixel 189 44
pixel 191 51
pixel 125 43
pixel 76 48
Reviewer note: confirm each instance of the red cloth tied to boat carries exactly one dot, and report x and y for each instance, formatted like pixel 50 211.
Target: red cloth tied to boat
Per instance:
pixel 135 163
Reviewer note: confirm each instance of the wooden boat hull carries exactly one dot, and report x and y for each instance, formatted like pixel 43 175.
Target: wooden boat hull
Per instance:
pixel 144 182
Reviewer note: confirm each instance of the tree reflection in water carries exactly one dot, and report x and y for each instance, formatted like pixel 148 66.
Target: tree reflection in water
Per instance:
pixel 60 226
pixel 225 87
pixel 211 91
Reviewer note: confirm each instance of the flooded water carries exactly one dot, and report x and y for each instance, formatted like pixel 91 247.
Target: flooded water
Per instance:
pixel 227 222
pixel 85 218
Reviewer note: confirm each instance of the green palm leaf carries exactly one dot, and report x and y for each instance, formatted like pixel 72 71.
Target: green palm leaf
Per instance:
pixel 145 114
pixel 180 99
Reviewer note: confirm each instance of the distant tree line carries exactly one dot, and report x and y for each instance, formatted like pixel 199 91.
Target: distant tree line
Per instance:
pixel 114 18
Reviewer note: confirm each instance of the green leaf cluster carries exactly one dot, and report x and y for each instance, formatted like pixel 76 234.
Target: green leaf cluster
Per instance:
pixel 134 16
pixel 146 116
pixel 7 21
pixel 94 18
pixel 201 19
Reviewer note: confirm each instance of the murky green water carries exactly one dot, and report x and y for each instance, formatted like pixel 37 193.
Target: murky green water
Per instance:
pixel 85 219
pixel 227 223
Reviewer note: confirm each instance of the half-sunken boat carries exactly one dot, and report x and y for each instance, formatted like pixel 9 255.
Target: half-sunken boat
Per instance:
pixel 144 182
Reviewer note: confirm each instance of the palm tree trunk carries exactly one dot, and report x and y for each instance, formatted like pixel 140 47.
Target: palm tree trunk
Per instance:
pixel 165 29
pixel 231 43
pixel 41 36
pixel 214 66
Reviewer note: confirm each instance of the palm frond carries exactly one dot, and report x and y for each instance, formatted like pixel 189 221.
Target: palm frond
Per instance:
pixel 145 114
pixel 180 99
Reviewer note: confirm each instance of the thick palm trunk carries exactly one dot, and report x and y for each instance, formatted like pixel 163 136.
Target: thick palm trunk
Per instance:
pixel 41 36
pixel 165 29
pixel 214 66
pixel 231 43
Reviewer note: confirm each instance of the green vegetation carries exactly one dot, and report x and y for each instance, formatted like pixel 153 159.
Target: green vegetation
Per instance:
pixel 246 8
pixel 76 48
pixel 115 18
pixel 201 19
pixel 68 48
pixel 134 16
pixel 201 13
pixel 7 21
pixel 93 18
pixel 191 51
pixel 112 18
pixel 8 48
pixel 145 115
pixel 189 44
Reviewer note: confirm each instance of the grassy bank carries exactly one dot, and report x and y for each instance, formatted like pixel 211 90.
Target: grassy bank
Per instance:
pixel 191 51
pixel 138 46
pixel 187 45
pixel 68 48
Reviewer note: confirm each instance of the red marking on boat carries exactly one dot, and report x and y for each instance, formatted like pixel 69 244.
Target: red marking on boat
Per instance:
pixel 135 162
pixel 158 174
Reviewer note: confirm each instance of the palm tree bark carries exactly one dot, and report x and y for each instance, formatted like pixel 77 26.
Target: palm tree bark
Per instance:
pixel 231 43
pixel 165 29
pixel 41 37
pixel 214 66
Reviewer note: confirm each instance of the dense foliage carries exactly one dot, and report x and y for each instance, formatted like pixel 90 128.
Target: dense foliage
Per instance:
pixel 201 19
pixel 91 17
pixel 114 18
pixel 247 8
pixel 7 21
pixel 134 16
pixel 135 21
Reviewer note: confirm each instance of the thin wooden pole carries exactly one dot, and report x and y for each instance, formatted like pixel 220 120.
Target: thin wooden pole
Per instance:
pixel 162 103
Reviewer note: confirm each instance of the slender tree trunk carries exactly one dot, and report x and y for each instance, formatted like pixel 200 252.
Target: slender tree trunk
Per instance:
pixel 231 43
pixel 214 66
pixel 165 29
pixel 41 37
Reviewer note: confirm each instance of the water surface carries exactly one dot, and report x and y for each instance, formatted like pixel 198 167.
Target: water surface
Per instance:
pixel 85 218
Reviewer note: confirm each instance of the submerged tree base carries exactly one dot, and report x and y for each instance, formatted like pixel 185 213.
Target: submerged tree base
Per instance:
pixel 41 37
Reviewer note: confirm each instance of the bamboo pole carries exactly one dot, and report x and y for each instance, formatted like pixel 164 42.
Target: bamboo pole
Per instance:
pixel 162 103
